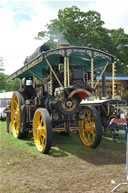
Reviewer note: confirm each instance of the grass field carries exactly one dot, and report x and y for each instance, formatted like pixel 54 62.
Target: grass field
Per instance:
pixel 70 167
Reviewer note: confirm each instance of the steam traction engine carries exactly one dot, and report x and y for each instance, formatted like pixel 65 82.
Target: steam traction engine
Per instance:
pixel 54 82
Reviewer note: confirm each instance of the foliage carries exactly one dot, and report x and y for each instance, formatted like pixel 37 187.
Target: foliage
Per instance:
pixel 80 28
pixel 120 48
pixel 1 65
pixel 1 69
pixel 13 85
pixel 8 86
pixel 51 44
pixel 3 83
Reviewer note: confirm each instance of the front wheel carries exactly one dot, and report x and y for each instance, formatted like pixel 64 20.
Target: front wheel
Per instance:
pixel 90 131
pixel 42 130
pixel 18 113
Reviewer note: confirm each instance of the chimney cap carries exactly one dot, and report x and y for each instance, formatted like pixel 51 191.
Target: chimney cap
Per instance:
pixel 63 45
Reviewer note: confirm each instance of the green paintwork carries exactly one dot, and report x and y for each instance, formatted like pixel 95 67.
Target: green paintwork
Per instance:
pixel 78 56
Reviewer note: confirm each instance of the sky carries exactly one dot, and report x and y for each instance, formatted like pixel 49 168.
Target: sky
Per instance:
pixel 21 20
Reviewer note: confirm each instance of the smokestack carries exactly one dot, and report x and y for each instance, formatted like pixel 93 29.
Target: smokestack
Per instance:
pixel 63 46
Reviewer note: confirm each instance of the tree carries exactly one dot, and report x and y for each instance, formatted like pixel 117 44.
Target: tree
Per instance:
pixel 43 35
pixel 13 85
pixel 8 86
pixel 120 48
pixel 79 28
pixel 1 65
pixel 3 83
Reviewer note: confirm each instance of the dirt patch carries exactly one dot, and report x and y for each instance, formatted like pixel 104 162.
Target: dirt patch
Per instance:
pixel 83 172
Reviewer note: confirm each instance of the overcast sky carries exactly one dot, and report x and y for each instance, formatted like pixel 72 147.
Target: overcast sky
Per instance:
pixel 21 20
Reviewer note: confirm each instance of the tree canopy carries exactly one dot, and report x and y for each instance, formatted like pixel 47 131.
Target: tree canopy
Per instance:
pixel 8 86
pixel 3 83
pixel 79 28
pixel 1 65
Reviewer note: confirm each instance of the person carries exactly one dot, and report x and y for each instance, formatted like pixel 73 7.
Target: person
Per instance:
pixel 7 110
pixel 126 115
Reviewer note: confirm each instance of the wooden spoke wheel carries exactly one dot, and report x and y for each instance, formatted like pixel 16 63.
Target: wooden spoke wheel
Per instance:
pixel 17 116
pixel 91 127
pixel 42 130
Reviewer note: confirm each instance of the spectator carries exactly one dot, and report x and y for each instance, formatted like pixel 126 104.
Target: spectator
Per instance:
pixel 126 115
pixel 7 110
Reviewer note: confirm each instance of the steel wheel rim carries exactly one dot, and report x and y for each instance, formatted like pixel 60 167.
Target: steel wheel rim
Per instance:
pixel 39 131
pixel 15 114
pixel 87 132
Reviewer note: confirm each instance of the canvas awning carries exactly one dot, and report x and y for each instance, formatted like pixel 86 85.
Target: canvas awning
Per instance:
pixel 78 56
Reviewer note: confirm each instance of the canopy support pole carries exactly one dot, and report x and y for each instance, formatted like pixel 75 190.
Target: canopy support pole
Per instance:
pixel 51 82
pixel 92 72
pixel 54 73
pixel 101 75
pixel 113 79
pixel 68 71
pixel 65 73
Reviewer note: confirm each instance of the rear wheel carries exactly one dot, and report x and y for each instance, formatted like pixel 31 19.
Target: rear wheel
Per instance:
pixel 42 130
pixel 91 127
pixel 18 123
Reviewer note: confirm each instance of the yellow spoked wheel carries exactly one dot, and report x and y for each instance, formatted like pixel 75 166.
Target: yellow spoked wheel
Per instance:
pixel 15 115
pixel 91 128
pixel 17 121
pixel 42 130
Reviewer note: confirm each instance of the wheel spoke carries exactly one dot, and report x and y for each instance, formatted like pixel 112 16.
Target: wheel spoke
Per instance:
pixel 42 141
pixel 87 134
pixel 40 132
pixel 15 115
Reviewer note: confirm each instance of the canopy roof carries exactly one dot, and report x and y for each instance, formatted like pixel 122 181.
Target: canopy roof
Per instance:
pixel 78 56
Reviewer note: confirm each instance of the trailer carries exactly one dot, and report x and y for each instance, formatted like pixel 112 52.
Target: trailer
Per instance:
pixel 54 82
pixel 108 109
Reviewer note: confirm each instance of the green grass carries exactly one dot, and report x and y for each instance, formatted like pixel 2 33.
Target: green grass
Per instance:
pixel 62 146
pixel 7 140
